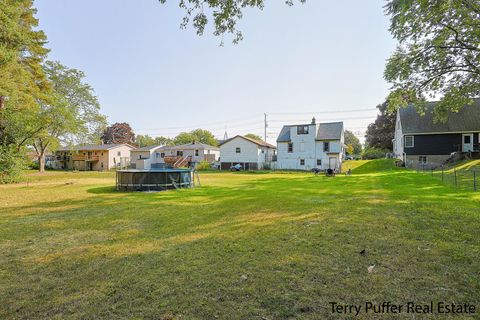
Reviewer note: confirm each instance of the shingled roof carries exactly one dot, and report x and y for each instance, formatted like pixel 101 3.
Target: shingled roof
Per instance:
pixel 257 142
pixel 91 147
pixel 326 131
pixel 466 120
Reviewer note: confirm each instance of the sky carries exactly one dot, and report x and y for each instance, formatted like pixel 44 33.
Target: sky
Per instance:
pixel 321 58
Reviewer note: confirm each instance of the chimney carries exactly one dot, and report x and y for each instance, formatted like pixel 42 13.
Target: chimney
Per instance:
pixel 313 120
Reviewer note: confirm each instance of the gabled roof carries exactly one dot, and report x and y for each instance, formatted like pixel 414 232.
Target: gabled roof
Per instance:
pixel 330 131
pixel 90 147
pixel 188 146
pixel 326 131
pixel 467 119
pixel 259 143
pixel 147 148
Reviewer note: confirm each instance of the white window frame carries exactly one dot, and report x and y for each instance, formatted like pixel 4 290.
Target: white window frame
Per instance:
pixel 413 142
pixel 425 157
pixel 301 162
pixel 327 145
pixel 238 150
pixel 288 147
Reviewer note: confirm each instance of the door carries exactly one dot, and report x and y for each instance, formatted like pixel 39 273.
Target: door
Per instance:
pixel 332 163
pixel 467 142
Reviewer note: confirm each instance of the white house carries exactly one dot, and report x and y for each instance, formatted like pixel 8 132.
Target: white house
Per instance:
pixel 251 154
pixel 141 158
pixel 308 146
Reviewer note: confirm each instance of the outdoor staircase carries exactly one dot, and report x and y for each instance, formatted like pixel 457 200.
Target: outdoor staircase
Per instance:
pixel 177 161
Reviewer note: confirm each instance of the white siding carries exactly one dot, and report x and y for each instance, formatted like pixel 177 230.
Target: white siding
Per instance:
pixel 398 139
pixel 249 151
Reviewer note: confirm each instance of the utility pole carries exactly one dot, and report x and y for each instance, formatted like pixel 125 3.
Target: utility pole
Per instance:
pixel 266 125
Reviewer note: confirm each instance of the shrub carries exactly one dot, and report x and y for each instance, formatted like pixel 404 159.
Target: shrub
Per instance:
pixel 12 162
pixel 204 165
pixel 373 153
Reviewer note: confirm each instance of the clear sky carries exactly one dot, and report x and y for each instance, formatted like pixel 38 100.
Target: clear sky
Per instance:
pixel 295 62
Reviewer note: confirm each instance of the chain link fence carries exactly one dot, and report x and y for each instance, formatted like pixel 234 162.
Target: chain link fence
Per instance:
pixel 464 179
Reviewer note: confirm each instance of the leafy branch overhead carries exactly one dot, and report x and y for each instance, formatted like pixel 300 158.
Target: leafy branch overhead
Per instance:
pixel 225 14
pixel 438 55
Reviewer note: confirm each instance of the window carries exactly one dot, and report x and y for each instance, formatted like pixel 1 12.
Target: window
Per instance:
pixel 101 165
pixel 302 146
pixel 162 155
pixel 422 159
pixel 119 153
pixel 467 139
pixel 157 155
pixel 409 142
pixel 237 150
pixel 139 156
pixel 302 162
pixel 326 146
pixel 290 147
pixel 302 130
pixel 319 162
pixel 196 153
pixel 180 153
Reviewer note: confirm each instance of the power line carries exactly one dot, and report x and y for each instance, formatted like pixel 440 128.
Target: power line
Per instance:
pixel 326 112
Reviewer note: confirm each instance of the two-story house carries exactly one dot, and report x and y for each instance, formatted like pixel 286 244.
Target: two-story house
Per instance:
pixel 308 146
pixel 93 157
pixel 419 139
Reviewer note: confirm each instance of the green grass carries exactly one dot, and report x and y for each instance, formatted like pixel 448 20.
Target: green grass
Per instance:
pixel 243 246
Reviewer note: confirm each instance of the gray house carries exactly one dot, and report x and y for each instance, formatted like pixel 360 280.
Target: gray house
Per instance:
pixel 421 140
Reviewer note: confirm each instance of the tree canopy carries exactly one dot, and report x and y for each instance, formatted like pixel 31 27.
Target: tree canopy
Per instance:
pixel 254 136
pixel 224 14
pixel 197 135
pixel 381 132
pixel 118 133
pixel 146 140
pixel 438 55
pixel 352 141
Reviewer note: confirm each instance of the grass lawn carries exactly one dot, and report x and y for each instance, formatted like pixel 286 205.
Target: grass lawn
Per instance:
pixel 243 246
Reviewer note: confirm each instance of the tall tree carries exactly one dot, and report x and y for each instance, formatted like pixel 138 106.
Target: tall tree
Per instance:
pixel 72 117
pixel 118 133
pixel 381 132
pixel 352 140
pixel 225 14
pixel 438 53
pixel 197 135
pixel 254 136
pixel 22 81
pixel 146 140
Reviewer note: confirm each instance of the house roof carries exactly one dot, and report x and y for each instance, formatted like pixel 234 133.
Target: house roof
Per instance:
pixel 259 143
pixel 330 131
pixel 326 131
pixel 196 145
pixel 147 148
pixel 89 147
pixel 467 119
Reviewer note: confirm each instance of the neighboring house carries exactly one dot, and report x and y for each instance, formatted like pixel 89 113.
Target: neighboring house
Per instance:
pixel 141 158
pixel 419 140
pixel 49 158
pixel 93 157
pixel 308 146
pixel 251 154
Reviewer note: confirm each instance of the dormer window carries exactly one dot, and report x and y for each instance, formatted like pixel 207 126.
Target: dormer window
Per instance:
pixel 302 129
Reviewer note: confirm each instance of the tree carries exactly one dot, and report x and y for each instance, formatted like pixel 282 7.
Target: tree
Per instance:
pixel 225 15
pixel 72 117
pixel 352 140
pixel 144 140
pixel 253 136
pixel 197 135
pixel 22 81
pixel 380 133
pixel 438 54
pixel 118 133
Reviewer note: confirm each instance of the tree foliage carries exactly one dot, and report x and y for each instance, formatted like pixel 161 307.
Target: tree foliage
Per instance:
pixel 146 140
pixel 118 133
pixel 438 54
pixel 224 14
pixel 253 136
pixel 381 132
pixel 352 140
pixel 73 116
pixel 22 81
pixel 197 135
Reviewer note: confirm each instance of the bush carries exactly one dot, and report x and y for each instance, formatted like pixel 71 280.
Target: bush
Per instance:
pixel 12 162
pixel 204 165
pixel 374 153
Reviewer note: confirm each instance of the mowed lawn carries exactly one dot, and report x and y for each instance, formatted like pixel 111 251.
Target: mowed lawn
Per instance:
pixel 242 246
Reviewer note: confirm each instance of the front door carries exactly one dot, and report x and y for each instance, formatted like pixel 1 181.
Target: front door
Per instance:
pixel 467 142
pixel 332 163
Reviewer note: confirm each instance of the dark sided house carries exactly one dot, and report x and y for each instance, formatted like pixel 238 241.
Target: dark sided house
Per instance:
pixel 420 140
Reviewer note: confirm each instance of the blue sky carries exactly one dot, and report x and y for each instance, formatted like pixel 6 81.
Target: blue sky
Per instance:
pixel 303 60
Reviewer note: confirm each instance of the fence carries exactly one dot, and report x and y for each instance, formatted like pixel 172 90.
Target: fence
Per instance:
pixel 466 179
